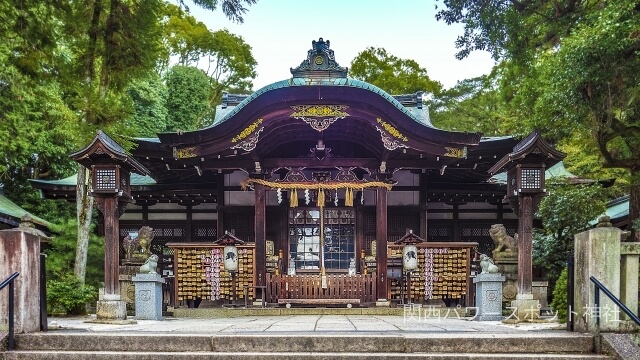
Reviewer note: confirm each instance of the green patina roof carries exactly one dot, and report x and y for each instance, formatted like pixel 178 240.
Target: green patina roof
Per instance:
pixel 345 82
pixel 8 207
pixel 136 180
pixel 557 170
pixel 618 208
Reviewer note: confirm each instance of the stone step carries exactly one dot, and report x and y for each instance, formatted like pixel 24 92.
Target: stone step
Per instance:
pixel 364 343
pixel 105 355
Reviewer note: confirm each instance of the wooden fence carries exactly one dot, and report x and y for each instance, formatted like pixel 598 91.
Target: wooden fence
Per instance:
pixel 361 287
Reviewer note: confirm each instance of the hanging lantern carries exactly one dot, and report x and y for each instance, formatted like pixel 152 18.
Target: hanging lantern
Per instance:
pixel 230 258
pixel 410 257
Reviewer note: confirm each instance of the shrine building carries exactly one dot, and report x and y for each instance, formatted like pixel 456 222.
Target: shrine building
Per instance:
pixel 322 180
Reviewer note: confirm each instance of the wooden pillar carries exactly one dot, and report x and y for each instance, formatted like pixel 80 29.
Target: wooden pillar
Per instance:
pixel 381 242
pixel 260 233
pixel 457 228
pixel 525 245
pixel 423 205
pixel 109 208
pixel 220 205
pixel 188 231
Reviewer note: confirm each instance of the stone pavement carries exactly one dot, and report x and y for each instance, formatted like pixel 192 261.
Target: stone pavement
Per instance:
pixel 329 324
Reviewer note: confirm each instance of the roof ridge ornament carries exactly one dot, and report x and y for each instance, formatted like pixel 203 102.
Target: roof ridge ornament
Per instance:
pixel 320 63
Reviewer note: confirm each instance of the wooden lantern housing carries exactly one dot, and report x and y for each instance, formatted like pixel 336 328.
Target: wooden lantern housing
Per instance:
pixel 110 179
pixel 525 178
pixel 110 166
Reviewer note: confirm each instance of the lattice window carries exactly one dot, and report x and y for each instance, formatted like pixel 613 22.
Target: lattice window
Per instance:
pixel 105 179
pixel 242 223
pixel 369 222
pixel 205 233
pixel 531 179
pixel 437 232
pixel 337 246
pixel 399 222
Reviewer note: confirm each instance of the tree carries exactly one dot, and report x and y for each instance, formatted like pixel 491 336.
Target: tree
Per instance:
pixel 189 92
pixel 150 114
pixel 64 71
pixel 114 43
pixel 473 105
pixel 226 58
pixel 233 9
pixel 392 74
pixel 562 221
pixel 578 70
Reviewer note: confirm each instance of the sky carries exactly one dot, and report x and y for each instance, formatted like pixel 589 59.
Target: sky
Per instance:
pixel 280 33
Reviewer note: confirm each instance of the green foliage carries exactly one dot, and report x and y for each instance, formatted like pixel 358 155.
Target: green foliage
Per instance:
pixel 233 9
pixel 69 296
pixel 566 211
pixel 573 71
pixel 472 105
pixel 188 102
pixel 229 60
pixel 150 114
pixel 61 254
pixel 392 74
pixel 560 299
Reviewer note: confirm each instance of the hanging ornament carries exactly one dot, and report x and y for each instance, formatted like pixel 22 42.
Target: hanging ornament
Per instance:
pixel 348 197
pixel 361 197
pixel 307 198
pixel 321 200
pixel 293 201
pixel 279 195
pixel 335 199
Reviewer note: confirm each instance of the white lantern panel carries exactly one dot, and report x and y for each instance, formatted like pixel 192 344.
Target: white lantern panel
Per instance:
pixel 410 257
pixel 231 258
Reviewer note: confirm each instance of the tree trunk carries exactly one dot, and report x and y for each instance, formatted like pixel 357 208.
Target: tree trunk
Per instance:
pixel 84 209
pixel 634 205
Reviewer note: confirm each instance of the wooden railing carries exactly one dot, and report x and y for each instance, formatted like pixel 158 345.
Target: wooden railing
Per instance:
pixel 361 287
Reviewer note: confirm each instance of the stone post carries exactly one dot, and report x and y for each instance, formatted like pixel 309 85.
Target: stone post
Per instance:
pixel 148 296
pixel 489 296
pixel 20 251
pixel 630 266
pixel 597 254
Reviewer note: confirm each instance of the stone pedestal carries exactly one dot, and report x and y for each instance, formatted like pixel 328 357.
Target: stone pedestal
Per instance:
pixel 525 308
pixel 489 296
pixel 20 252
pixel 507 263
pixel 148 296
pixel 110 307
pixel 383 303
pixel 629 268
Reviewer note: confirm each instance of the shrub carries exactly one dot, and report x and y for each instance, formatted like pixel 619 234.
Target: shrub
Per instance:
pixel 69 296
pixel 559 302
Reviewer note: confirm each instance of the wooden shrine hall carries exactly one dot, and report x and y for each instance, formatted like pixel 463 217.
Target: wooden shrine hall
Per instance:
pixel 322 177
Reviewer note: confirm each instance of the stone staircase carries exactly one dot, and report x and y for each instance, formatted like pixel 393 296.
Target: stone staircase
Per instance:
pixel 69 345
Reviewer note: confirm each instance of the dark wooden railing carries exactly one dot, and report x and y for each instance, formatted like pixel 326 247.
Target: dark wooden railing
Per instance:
pixel 362 287
pixel 9 281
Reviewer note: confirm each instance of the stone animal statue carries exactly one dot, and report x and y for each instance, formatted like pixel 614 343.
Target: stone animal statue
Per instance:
pixel 487 265
pixel 139 247
pixel 502 240
pixel 150 266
